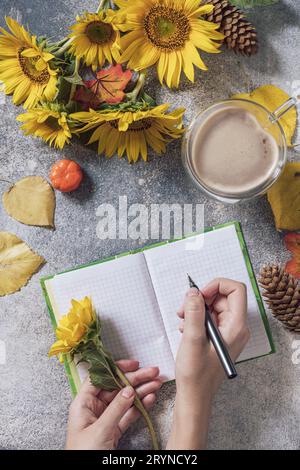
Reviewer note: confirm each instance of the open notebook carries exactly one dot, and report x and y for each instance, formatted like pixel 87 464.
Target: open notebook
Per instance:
pixel 138 294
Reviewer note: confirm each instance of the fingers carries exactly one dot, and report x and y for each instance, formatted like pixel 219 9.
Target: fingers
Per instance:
pixel 220 304
pixel 128 365
pixel 148 388
pixel 222 286
pixel 88 389
pixel 106 397
pixel 111 417
pixel 133 414
pixel 143 375
pixel 234 291
pixel 194 314
pixel 180 312
pixel 142 391
pixel 228 299
pixel 136 378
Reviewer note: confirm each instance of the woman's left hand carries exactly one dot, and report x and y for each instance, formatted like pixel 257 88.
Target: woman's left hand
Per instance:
pixel 97 418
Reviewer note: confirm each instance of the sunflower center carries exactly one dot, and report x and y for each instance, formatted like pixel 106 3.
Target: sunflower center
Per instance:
pixel 28 66
pixel 53 123
pixel 136 126
pixel 99 32
pixel 167 28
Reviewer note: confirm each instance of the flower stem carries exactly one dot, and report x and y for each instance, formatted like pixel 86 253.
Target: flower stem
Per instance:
pixel 73 87
pixel 64 48
pixel 61 42
pixel 102 5
pixel 139 405
pixel 132 96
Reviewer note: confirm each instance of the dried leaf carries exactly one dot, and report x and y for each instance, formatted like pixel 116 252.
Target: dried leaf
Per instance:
pixel 31 201
pixel 271 97
pixel 293 267
pixel 109 84
pixel 284 197
pixel 86 98
pixel 17 263
pixel 292 243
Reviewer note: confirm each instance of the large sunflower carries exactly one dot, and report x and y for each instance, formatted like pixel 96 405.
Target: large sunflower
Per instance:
pixel 96 38
pixel 24 67
pixel 130 132
pixel 48 123
pixel 167 33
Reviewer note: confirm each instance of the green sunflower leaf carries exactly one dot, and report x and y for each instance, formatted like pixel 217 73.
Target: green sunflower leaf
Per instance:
pixel 101 379
pixel 252 3
pixel 148 99
pixel 64 89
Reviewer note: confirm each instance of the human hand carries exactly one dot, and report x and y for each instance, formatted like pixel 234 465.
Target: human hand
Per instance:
pixel 97 418
pixel 198 369
pixel 197 361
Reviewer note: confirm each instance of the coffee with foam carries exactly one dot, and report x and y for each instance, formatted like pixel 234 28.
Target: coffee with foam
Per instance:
pixel 232 153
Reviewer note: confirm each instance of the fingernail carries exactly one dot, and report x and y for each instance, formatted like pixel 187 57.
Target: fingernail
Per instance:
pixel 128 392
pixel 193 292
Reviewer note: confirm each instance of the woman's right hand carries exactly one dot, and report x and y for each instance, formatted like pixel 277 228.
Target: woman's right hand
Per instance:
pixel 197 361
pixel 198 370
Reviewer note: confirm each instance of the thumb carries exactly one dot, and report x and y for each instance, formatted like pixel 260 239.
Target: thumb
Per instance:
pixel 117 409
pixel 194 315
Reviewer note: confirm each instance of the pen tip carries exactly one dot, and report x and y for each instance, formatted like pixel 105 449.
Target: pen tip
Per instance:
pixel 191 282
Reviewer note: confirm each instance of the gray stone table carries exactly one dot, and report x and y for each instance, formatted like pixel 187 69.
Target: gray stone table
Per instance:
pixel 261 410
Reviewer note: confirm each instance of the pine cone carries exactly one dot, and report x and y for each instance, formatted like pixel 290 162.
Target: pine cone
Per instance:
pixel 240 34
pixel 282 294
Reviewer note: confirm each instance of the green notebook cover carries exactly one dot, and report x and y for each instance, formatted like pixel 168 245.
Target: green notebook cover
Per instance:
pixel 70 367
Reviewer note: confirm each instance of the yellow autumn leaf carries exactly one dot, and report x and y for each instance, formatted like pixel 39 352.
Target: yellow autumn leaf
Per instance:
pixel 31 201
pixel 284 197
pixel 271 97
pixel 17 263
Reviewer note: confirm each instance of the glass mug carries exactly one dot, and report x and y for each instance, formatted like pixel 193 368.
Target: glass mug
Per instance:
pixel 268 121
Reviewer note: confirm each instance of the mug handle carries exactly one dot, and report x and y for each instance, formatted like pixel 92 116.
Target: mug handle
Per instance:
pixel 284 108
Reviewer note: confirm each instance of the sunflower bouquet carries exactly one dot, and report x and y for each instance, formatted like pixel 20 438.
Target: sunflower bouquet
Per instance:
pixel 93 81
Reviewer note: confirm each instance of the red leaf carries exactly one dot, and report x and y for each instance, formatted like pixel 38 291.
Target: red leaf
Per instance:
pixel 86 98
pixel 109 84
pixel 293 267
pixel 292 243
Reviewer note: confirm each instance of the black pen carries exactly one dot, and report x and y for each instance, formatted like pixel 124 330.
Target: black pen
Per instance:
pixel 217 340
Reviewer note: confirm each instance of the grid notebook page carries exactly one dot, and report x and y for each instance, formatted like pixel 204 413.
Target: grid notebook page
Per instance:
pixel 204 257
pixel 123 295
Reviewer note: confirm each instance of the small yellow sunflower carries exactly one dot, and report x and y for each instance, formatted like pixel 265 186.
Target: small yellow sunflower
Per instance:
pixel 24 67
pixel 73 327
pixel 167 33
pixel 131 132
pixel 48 123
pixel 96 38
